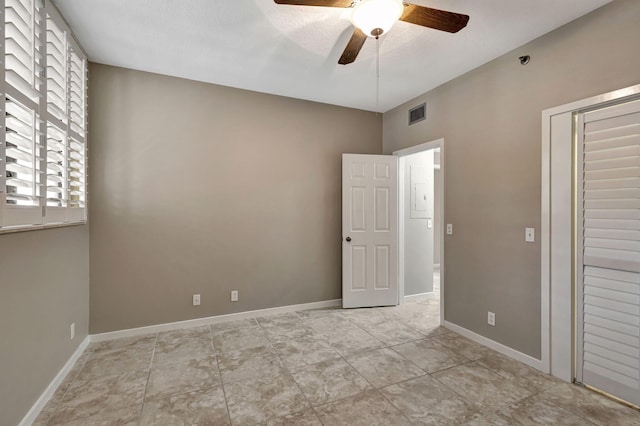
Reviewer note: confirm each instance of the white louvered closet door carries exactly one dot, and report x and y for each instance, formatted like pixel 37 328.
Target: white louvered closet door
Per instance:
pixel 609 250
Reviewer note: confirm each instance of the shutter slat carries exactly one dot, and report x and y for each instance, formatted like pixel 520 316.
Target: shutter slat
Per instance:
pixel 612 234
pixel 607 124
pixel 612 294
pixel 615 163
pixel 611 369
pixel 615 259
pixel 612 173
pixel 633 182
pixel 622 224
pixel 628 137
pixel 16 14
pixel 607 154
pixel 628 203
pixel 630 245
pixel 627 287
pixel 612 274
pixel 595 194
pixel 607 324
pixel 612 305
pixel 612 214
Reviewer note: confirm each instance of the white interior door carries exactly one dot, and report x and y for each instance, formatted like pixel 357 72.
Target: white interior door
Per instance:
pixel 609 250
pixel 369 230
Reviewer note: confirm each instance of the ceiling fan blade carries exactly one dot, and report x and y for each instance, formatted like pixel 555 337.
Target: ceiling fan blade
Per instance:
pixel 434 18
pixel 353 47
pixel 325 3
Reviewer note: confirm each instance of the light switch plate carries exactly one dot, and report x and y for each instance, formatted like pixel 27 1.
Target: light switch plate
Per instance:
pixel 530 235
pixel 491 318
pixel 429 223
pixel 449 229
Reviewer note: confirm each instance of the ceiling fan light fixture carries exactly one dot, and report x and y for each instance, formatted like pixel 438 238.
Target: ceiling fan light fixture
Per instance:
pixel 375 17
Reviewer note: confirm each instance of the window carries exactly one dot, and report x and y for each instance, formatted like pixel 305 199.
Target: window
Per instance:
pixel 43 174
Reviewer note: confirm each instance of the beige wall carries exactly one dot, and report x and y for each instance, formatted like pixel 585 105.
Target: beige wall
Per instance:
pixel 490 119
pixel 44 287
pixel 198 188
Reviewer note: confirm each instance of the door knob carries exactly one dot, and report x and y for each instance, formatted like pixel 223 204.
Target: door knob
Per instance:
pixel 348 239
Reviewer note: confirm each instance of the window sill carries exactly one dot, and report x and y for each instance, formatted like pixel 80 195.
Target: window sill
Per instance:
pixel 22 228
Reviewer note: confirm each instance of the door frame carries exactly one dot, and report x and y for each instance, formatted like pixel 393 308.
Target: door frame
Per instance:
pixel 438 143
pixel 558 242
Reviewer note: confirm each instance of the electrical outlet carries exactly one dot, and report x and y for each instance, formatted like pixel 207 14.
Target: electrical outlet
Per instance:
pixel 530 235
pixel 196 300
pixel 72 330
pixel 491 318
pixel 449 229
pixel 234 296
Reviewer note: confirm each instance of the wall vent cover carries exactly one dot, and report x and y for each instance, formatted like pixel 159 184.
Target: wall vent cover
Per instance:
pixel 417 114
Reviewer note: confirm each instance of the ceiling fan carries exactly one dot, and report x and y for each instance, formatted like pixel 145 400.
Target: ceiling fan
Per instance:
pixel 373 18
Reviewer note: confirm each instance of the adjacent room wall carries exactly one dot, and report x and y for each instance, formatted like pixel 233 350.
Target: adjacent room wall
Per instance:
pixel 490 119
pixel 44 288
pixel 418 237
pixel 198 188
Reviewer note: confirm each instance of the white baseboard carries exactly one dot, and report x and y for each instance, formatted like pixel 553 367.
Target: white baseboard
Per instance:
pixel 420 296
pixel 498 347
pixel 35 410
pixel 212 320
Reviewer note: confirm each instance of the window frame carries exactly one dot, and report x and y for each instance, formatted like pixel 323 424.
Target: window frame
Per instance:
pixel 17 218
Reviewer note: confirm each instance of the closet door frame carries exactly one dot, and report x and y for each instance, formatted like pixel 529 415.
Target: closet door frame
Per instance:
pixel 558 236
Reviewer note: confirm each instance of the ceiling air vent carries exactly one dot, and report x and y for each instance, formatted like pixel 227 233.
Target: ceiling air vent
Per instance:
pixel 418 113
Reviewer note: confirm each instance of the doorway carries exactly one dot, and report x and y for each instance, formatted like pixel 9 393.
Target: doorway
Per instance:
pixel 420 211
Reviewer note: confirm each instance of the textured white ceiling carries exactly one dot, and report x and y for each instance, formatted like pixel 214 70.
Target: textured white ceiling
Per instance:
pixel 293 51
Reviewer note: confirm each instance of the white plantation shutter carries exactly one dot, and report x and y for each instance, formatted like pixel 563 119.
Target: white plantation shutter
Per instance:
pixel 56 71
pixel 23 147
pixel 22 155
pixel 77 84
pixel 610 255
pixel 57 163
pixel 23 42
pixel 77 174
pixel 77 91
pixel 43 168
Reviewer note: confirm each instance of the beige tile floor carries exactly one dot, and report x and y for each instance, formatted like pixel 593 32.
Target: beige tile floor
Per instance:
pixel 381 366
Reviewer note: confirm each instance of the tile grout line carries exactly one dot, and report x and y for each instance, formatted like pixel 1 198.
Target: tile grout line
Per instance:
pixel 224 392
pixel 146 385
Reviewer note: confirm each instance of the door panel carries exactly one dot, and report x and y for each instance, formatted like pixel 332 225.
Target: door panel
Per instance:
pixel 609 250
pixel 370 230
